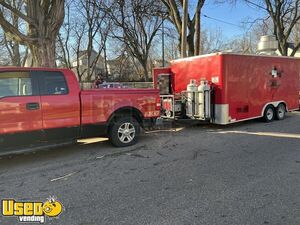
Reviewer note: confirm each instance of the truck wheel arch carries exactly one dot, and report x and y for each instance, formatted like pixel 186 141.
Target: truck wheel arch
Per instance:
pixel 125 111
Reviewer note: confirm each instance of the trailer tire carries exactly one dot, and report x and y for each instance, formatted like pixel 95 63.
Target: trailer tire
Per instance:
pixel 280 112
pixel 269 114
pixel 124 131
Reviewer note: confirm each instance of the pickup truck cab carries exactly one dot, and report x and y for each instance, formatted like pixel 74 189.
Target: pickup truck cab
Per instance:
pixel 41 107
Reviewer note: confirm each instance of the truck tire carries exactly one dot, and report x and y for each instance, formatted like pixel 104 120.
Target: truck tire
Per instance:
pixel 280 112
pixel 124 131
pixel 269 114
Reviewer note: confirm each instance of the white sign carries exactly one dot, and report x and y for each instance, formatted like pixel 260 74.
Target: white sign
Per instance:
pixel 215 79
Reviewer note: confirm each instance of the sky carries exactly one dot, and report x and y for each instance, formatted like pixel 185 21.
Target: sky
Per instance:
pixel 229 13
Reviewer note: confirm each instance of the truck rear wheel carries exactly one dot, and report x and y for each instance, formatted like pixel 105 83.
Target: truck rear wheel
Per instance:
pixel 280 112
pixel 269 114
pixel 124 131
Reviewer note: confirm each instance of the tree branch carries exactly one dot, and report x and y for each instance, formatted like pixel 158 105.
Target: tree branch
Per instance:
pixel 14 33
pixel 18 13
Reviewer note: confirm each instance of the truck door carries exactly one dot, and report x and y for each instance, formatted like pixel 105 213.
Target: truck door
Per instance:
pixel 60 106
pixel 20 110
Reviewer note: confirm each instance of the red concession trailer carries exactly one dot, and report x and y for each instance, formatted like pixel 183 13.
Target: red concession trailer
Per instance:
pixel 224 88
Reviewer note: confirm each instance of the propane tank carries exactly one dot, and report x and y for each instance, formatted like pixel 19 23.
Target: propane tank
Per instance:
pixel 190 105
pixel 204 100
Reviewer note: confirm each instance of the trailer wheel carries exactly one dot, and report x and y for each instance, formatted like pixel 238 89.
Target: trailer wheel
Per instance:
pixel 124 131
pixel 280 112
pixel 269 114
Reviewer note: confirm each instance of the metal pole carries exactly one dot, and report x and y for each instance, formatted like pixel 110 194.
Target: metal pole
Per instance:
pixel 184 29
pixel 163 43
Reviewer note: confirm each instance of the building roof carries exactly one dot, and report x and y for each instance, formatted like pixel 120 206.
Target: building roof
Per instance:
pixel 84 52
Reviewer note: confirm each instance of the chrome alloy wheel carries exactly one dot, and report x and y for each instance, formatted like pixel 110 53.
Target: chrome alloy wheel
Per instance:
pixel 281 112
pixel 126 132
pixel 270 114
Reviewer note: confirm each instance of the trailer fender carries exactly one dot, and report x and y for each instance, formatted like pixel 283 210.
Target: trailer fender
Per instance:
pixel 274 104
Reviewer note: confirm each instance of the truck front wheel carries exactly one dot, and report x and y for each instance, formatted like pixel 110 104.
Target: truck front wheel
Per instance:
pixel 124 131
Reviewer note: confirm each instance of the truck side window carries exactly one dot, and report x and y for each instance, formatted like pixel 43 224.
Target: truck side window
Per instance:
pixel 53 83
pixel 15 84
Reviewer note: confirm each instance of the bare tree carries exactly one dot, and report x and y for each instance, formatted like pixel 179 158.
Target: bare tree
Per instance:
pixel 43 19
pixel 63 40
pixel 12 47
pixel 96 26
pixel 91 14
pixel 175 9
pixel 137 22
pixel 285 15
pixel 212 40
pixel 4 54
pixel 79 36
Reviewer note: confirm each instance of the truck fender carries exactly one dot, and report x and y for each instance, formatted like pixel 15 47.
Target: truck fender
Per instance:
pixel 137 114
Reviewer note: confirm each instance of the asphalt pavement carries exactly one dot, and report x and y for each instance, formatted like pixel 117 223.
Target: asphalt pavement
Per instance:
pixel 182 174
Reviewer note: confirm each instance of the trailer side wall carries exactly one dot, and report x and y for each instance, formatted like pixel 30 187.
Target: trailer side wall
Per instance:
pixel 252 82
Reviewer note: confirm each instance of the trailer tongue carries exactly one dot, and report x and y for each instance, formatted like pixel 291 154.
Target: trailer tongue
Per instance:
pixel 224 88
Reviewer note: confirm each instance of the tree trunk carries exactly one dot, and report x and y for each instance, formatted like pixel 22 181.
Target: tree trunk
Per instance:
pixel 16 54
pixel 13 49
pixel 193 38
pixel 145 70
pixel 191 42
pixel 105 61
pixel 197 32
pixel 89 53
pixel 45 31
pixel 184 37
pixel 12 46
pixel 43 53
pixel 44 19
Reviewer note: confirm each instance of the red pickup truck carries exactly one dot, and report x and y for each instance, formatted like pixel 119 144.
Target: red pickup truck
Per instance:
pixel 46 106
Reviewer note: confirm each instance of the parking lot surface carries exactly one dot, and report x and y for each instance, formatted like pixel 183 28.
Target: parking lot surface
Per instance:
pixel 245 173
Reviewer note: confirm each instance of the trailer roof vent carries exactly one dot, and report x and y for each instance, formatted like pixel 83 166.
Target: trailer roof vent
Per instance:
pixel 267 45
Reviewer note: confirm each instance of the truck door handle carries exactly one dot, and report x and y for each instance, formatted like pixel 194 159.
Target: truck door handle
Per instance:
pixel 33 106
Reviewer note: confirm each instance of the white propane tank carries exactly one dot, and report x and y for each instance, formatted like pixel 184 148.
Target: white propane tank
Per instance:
pixel 190 105
pixel 204 99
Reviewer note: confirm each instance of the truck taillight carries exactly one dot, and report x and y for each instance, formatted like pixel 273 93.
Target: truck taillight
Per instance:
pixel 157 104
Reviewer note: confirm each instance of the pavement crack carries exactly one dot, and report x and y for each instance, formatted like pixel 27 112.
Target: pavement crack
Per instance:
pixel 119 153
pixel 65 177
pixel 159 153
pixel 137 155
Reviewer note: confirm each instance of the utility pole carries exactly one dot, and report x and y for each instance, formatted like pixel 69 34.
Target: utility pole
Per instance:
pixel 163 43
pixel 184 29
